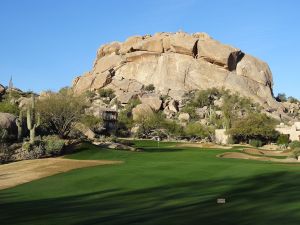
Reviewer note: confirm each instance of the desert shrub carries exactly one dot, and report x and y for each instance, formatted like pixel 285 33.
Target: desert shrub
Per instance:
pixel 254 126
pixel 90 94
pixel 206 97
pixel 27 146
pixel 255 143
pixel 125 120
pixel 6 136
pixel 106 93
pixel 149 122
pixel 294 144
pixel 283 139
pixel 191 110
pixel 173 128
pixel 53 144
pixel 3 135
pixel 292 99
pixel 233 105
pixel 197 130
pixel 149 87
pixel 60 111
pixel 156 124
pixel 7 107
pixel 133 103
pixel 6 141
pixel 201 98
pixel 14 94
pixel 295 153
pixel 281 97
pixel 4 153
pixel 91 122
pixel 33 150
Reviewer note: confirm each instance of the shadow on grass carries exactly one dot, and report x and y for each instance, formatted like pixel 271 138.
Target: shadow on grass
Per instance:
pixel 267 199
pixel 81 147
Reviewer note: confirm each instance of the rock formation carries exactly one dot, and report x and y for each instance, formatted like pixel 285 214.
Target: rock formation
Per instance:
pixel 176 63
pixel 8 122
pixel 2 90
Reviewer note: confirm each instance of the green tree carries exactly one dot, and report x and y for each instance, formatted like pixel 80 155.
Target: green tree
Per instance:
pixel 59 111
pixel 292 99
pixel 92 122
pixel 150 122
pixel 254 126
pixel 7 107
pixel 197 130
pixel 283 139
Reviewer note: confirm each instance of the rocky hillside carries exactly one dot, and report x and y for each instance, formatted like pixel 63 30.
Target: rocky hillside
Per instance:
pixel 176 63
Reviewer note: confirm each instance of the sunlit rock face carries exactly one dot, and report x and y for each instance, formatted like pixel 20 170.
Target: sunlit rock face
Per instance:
pixel 175 63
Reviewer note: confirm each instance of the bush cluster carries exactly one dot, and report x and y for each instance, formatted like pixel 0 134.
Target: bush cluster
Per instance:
pixel 53 145
pixel 107 93
pixel 255 126
pixel 294 144
pixel 92 122
pixel 283 139
pixel 149 87
pixel 255 143
pixel 7 107
pixel 295 153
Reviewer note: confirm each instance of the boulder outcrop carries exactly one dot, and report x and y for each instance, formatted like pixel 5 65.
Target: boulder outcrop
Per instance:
pixel 176 63
pixel 8 122
pixel 2 89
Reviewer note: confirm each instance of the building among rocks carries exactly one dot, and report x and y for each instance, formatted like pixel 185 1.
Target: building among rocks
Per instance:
pixel 110 119
pixel 292 131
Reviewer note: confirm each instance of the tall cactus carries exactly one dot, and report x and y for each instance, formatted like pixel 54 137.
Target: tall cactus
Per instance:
pixel 19 123
pixel 33 119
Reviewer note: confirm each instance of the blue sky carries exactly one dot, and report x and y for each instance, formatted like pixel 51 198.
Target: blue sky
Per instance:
pixel 45 44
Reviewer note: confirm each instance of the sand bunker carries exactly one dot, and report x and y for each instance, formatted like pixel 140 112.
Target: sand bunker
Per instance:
pixel 16 173
pixel 203 145
pixel 265 152
pixel 240 155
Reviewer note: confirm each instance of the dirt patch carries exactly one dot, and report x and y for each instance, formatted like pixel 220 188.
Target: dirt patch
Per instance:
pixel 240 155
pixel 203 145
pixel 264 152
pixel 21 172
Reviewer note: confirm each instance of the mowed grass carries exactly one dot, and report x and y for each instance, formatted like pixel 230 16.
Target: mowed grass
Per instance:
pixel 165 185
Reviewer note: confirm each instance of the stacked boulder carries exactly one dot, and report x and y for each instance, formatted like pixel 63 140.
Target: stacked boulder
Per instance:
pixel 176 63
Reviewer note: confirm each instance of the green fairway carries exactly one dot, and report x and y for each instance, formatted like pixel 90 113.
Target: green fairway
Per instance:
pixel 165 185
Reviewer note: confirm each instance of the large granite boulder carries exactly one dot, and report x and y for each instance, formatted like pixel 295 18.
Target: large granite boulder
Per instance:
pixel 8 122
pixel 2 89
pixel 141 110
pixel 176 63
pixel 219 54
pixel 152 100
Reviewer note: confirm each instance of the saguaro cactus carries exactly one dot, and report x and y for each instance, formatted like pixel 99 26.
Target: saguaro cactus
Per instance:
pixel 33 119
pixel 19 123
